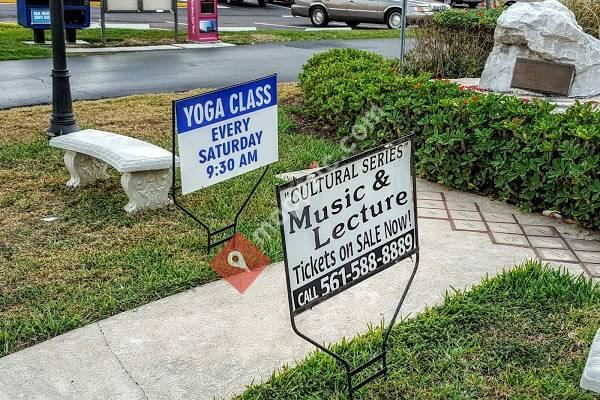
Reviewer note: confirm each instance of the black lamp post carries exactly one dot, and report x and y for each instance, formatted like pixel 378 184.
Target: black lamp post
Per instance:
pixel 62 120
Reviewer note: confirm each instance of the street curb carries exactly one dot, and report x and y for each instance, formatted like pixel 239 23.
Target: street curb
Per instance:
pixel 133 49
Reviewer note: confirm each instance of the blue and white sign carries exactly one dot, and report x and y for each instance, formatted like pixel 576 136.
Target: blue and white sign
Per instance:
pixel 226 133
pixel 40 16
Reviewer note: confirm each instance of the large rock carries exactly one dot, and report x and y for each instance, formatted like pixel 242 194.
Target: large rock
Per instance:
pixel 545 30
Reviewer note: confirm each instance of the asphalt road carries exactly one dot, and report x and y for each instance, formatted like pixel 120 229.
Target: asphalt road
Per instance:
pixel 28 82
pixel 247 14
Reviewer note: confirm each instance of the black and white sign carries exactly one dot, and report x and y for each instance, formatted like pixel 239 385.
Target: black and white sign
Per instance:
pixel 348 222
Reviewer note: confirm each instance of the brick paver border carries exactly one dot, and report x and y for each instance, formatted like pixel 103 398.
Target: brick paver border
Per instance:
pixel 504 229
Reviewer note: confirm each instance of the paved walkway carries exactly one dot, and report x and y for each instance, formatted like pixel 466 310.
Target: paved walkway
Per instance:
pixel 210 341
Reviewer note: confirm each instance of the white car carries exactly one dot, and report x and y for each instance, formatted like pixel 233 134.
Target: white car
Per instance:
pixel 353 12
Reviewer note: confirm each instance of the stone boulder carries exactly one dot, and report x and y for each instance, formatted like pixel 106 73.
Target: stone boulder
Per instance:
pixel 544 30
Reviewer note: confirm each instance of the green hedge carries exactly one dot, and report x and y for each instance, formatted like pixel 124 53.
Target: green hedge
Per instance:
pixel 455 44
pixel 518 151
pixel 360 78
pixel 473 20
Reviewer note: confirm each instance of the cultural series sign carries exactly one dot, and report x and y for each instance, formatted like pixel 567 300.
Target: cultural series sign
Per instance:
pixel 343 224
pixel 226 133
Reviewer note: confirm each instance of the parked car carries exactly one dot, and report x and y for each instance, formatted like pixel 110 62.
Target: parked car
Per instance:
pixel 470 3
pixel 353 12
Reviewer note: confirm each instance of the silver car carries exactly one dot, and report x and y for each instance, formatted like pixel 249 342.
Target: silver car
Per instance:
pixel 353 12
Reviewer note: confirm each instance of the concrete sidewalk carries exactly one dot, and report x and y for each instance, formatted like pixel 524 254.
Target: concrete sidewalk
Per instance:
pixel 211 342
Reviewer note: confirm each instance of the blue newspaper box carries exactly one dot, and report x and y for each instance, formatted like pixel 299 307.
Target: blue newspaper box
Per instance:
pixel 35 14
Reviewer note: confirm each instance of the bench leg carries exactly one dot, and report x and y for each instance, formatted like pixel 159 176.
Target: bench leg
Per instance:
pixel 147 189
pixel 84 169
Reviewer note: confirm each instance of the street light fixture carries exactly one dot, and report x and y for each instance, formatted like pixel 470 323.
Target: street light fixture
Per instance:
pixel 62 120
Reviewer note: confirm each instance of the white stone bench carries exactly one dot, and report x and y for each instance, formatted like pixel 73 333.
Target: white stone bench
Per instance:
pixel 146 168
pixel 590 379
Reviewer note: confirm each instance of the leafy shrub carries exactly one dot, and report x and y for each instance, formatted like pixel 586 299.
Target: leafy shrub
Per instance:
pixel 361 79
pixel 473 20
pixel 587 13
pixel 499 145
pixel 455 44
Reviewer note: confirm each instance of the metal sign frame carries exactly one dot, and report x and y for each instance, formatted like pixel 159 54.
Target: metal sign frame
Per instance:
pixel 233 226
pixel 382 356
pixel 140 10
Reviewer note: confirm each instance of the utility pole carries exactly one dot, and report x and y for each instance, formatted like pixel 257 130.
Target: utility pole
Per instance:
pixel 62 120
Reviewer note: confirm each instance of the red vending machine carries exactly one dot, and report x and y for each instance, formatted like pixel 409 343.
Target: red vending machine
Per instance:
pixel 203 21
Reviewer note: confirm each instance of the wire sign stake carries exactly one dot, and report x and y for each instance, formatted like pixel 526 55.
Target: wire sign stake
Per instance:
pixel 222 134
pixel 345 223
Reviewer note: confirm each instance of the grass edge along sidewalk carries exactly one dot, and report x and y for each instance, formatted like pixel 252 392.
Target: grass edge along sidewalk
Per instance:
pixel 12 37
pixel 523 334
pixel 94 261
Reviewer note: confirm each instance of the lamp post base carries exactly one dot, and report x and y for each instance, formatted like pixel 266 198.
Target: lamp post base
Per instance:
pixel 62 124
pixel 62 120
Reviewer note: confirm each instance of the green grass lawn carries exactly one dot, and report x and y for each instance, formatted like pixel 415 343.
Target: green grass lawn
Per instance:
pixel 96 261
pixel 13 48
pixel 522 335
